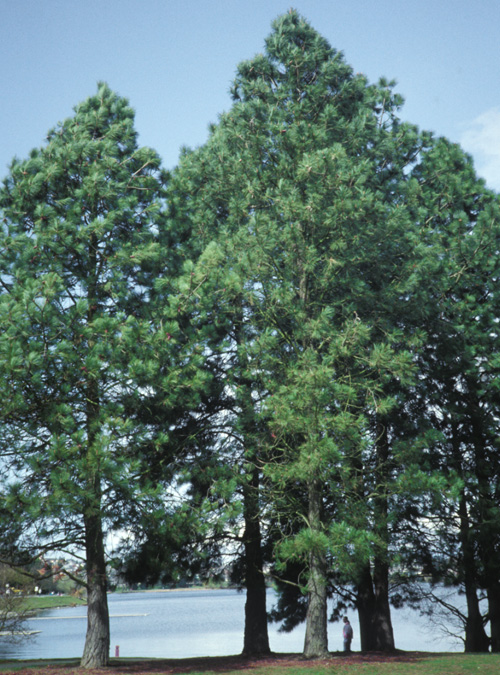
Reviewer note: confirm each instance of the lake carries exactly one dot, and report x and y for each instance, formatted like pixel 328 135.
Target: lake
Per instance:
pixel 178 624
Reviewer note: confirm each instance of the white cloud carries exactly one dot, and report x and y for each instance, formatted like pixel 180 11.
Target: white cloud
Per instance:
pixel 481 139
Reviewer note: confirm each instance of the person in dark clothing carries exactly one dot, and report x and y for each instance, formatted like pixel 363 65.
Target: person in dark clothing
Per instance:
pixel 347 634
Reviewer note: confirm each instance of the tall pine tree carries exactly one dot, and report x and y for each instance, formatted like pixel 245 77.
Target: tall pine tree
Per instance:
pixel 78 259
pixel 297 196
pixel 459 221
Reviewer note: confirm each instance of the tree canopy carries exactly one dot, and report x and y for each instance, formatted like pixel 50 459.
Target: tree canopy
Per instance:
pixel 77 256
pixel 296 331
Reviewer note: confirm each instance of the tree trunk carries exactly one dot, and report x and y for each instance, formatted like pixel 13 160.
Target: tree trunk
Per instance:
pixel 365 606
pixel 476 639
pixel 97 639
pixel 374 612
pixel 256 639
pixel 381 620
pixel 494 614
pixel 316 639
pixel 96 650
pixel 486 510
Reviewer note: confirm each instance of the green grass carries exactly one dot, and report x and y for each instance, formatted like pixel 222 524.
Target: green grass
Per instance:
pixel 456 664
pixel 424 664
pixel 36 602
pixel 484 664
pixel 443 665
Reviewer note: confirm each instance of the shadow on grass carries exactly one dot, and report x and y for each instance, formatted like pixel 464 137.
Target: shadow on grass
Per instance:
pixel 212 664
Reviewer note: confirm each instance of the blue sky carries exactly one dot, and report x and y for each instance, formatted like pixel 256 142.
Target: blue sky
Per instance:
pixel 175 59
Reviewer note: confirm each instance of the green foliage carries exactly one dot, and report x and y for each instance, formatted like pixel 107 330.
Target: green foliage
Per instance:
pixel 290 343
pixel 310 248
pixel 334 237
pixel 79 255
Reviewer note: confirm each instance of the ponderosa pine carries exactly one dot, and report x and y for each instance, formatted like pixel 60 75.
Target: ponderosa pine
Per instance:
pixel 77 246
pixel 296 196
pixel 458 366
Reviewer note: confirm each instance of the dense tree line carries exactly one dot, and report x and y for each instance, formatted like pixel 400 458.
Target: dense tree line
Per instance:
pixel 284 351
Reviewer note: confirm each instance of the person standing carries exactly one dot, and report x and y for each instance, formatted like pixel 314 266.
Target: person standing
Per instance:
pixel 347 634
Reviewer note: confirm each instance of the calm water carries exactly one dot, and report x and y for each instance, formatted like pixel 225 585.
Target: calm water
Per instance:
pixel 177 624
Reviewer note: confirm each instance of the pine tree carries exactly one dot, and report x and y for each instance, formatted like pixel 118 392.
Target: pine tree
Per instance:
pixel 224 319
pixel 78 259
pixel 459 222
pixel 298 191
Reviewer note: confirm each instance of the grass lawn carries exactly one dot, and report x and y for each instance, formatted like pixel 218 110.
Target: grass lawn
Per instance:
pixel 484 664
pixel 411 663
pixel 36 602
